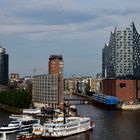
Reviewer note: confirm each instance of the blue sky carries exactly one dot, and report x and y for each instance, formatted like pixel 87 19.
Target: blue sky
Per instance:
pixel 32 30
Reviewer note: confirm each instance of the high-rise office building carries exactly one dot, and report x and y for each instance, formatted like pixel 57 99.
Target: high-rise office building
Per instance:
pixel 4 68
pixel 121 57
pixel 45 90
pixel 55 66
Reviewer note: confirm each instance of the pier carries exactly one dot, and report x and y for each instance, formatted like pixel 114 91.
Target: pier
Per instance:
pixel 7 136
pixel 3 136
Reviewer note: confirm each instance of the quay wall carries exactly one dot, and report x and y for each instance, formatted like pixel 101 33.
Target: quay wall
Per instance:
pixel 96 103
pixel 119 106
pixel 10 109
pixel 130 107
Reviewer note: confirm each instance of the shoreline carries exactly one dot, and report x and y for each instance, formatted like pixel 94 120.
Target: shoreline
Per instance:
pixel 10 109
pixel 133 107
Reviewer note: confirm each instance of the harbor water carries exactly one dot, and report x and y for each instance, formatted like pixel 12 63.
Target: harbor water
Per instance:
pixel 109 124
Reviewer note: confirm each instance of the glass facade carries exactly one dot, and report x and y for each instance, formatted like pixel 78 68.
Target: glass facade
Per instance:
pixel 121 57
pixel 4 69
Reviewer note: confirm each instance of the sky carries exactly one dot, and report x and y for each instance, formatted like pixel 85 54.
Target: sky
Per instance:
pixel 32 30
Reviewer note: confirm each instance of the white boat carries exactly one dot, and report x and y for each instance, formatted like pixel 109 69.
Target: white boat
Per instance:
pixel 7 131
pixel 58 128
pixel 25 135
pixel 9 128
pixel 25 122
pixel 32 111
pixel 37 129
pixel 7 136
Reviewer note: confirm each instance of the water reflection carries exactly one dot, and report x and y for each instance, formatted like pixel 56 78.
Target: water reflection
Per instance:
pixel 4 116
pixel 83 136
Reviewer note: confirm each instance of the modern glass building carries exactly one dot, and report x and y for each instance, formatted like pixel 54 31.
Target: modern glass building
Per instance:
pixel 4 67
pixel 121 57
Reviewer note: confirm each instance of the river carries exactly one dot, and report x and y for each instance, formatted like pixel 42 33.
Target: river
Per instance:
pixel 109 124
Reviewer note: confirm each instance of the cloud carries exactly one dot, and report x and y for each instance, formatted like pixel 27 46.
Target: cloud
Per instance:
pixel 47 12
pixel 53 18
pixel 77 29
pixel 122 12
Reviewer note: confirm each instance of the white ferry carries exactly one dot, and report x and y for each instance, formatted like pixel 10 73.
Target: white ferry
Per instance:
pixel 7 131
pixel 9 128
pixel 25 135
pixel 24 122
pixel 32 111
pixel 58 128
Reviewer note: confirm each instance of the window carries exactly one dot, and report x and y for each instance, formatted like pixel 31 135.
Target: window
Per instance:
pixel 122 85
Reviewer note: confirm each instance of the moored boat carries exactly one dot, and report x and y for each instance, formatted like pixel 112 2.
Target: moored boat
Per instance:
pixel 25 122
pixel 9 128
pixel 37 129
pixel 25 135
pixel 58 128
pixel 32 111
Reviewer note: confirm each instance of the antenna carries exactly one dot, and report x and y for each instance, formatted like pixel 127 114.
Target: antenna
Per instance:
pixel 34 71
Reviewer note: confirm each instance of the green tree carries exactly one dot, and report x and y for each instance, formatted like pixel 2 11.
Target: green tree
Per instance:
pixel 16 98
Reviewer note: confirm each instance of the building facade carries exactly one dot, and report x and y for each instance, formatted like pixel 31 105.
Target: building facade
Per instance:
pixel 121 57
pixel 56 66
pixel 4 67
pixel 121 64
pixel 125 90
pixel 83 85
pixel 45 90
pixel 14 76
pixel 95 85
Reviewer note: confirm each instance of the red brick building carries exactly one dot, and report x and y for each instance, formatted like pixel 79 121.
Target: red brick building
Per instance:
pixel 125 90
pixel 55 66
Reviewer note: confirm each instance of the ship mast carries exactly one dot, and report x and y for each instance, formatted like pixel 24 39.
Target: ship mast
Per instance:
pixel 64 111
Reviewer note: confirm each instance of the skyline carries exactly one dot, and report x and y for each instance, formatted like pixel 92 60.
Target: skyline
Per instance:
pixel 32 30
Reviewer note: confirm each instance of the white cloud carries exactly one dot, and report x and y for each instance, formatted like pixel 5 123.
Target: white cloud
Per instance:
pixel 66 25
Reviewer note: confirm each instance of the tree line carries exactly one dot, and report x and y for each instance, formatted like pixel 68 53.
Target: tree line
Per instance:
pixel 16 98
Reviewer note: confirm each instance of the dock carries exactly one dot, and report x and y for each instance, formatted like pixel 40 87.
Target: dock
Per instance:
pixel 7 136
